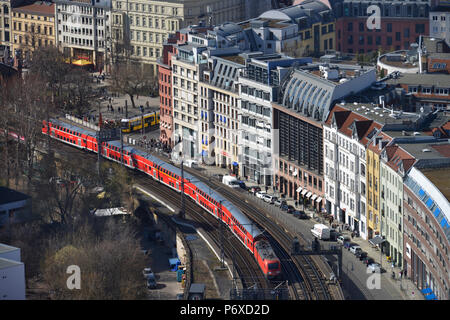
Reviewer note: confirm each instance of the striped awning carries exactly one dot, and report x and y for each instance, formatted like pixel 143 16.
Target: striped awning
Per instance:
pixel 299 189
pixel 304 191
pixel 314 196
pixel 319 199
pixel 309 194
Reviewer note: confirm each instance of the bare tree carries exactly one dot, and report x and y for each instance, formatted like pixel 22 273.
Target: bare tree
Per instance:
pixel 132 80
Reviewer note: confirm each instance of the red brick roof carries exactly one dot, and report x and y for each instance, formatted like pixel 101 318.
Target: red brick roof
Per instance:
pixel 397 155
pixel 38 8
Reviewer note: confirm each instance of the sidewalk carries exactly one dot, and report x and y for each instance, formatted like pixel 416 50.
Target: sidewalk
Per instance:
pixel 405 287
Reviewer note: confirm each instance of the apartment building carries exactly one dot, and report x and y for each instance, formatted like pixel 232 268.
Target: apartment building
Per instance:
pixel 401 24
pixel 440 22
pixel 6 28
pixel 426 227
pixel 219 122
pixel 83 30
pixel 306 96
pixel 139 28
pixel 394 165
pixel 186 67
pixel 33 26
pixel 347 136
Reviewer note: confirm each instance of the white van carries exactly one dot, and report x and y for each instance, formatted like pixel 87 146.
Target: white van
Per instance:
pixel 230 181
pixel 321 231
pixel 191 163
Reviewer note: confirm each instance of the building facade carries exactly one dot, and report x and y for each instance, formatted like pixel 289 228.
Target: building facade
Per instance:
pixel 401 24
pixel 33 26
pixel 140 29
pixel 426 230
pixel 83 30
pixel 395 164
pixel 440 22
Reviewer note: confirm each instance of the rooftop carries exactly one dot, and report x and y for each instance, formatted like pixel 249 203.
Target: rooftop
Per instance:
pixel 38 8
pixel 439 177
pixel 430 79
pixel 6 263
pixel 234 58
pixel 428 150
pixel 5 248
pixel 9 195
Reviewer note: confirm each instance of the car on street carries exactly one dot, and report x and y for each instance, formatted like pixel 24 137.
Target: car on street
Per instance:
pixel 151 282
pixel 260 194
pixel 349 244
pixel 269 198
pixel 355 249
pixel 334 234
pixel 242 185
pixel 361 255
pixel 300 214
pixel 374 267
pixel 254 189
pixel 290 209
pixel 367 260
pixel 180 296
pixel 279 202
pixel 343 239
pixel 147 272
pixel 284 207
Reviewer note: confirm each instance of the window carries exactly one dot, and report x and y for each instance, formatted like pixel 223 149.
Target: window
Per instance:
pixel 350 26
pixel 420 28
pixel 389 27
pixel 361 26
pixel 397 36
pixel 389 41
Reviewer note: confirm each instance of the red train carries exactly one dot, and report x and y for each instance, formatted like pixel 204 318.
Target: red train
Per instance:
pixel 248 233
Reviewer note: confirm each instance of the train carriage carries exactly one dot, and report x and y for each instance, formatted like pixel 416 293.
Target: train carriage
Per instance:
pixel 213 202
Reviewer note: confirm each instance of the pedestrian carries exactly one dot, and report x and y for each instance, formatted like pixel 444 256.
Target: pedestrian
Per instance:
pixel 109 100
pixel 353 234
pixel 119 109
pixel 112 109
pixel 400 274
pixel 267 188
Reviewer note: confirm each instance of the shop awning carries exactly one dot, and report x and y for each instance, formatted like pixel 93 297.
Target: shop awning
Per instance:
pixel 314 196
pixel 319 199
pixel 304 191
pixel 299 189
pixel 309 194
pixel 376 240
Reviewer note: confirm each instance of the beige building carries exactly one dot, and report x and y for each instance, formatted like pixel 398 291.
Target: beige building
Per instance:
pixel 33 26
pixel 144 24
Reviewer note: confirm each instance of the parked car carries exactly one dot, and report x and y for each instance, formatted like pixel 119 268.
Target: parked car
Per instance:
pixel 260 194
pixel 280 202
pixel 284 207
pixel 374 267
pixel 361 255
pixel 348 245
pixel 147 272
pixel 300 214
pixel 151 282
pixel 342 239
pixel 254 189
pixel 367 260
pixel 269 198
pixel 355 249
pixel 290 209
pixel 334 234
pixel 242 185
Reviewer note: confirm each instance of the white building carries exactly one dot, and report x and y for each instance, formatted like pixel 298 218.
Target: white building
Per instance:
pixel 346 136
pixel 12 274
pixel 83 30
pixel 440 23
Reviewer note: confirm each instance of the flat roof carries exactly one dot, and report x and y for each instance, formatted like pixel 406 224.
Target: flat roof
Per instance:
pixel 430 79
pixel 5 248
pixel 8 195
pixel 233 58
pixel 434 150
pixel 6 263
pixel 439 177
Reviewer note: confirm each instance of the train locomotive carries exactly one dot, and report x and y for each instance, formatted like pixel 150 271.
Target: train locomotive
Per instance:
pixel 214 203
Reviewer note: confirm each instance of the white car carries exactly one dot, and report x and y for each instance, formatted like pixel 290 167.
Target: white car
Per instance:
pixel 268 198
pixel 355 249
pixel 260 194
pixel 342 239
pixel 374 267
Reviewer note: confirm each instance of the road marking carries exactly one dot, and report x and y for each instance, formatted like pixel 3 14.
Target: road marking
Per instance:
pixel 154 197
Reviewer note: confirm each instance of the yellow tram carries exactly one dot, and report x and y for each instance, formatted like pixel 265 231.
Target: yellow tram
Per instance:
pixel 135 124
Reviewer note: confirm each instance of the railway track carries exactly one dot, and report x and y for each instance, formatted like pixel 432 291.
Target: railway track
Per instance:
pixel 305 281
pixel 246 267
pixel 309 285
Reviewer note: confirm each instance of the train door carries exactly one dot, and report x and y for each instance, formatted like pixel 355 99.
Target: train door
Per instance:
pixel 79 142
pixel 178 187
